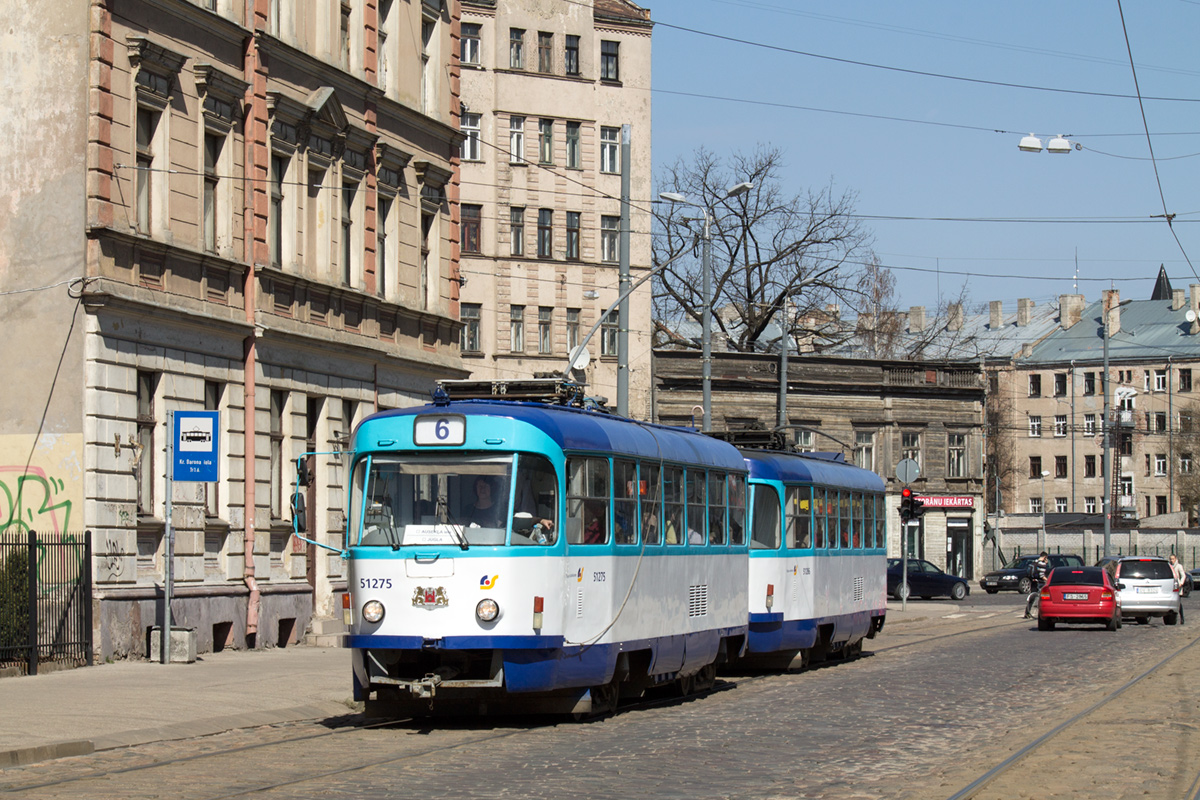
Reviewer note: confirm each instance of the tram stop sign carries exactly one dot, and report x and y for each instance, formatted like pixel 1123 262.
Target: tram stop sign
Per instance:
pixel 908 470
pixel 196 446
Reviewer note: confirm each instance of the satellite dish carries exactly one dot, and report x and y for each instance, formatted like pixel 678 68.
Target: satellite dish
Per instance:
pixel 1190 316
pixel 580 358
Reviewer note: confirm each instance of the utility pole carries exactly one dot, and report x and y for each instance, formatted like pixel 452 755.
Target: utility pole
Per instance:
pixel 1107 437
pixel 623 312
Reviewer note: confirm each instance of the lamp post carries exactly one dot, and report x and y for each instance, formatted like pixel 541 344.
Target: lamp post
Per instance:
pixel 706 320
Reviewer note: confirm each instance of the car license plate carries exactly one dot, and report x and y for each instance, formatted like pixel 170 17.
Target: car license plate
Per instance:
pixel 1075 596
pixel 1147 589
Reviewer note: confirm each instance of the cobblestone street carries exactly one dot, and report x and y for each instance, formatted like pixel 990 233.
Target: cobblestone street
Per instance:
pixel 923 715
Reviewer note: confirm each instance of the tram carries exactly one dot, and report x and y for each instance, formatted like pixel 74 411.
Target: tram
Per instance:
pixel 529 551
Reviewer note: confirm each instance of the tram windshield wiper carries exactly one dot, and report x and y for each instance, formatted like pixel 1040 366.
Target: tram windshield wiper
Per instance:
pixel 456 530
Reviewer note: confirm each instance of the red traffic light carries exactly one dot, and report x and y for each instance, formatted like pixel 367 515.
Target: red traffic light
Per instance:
pixel 906 492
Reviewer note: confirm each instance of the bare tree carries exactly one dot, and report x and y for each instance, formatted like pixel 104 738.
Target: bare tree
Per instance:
pixel 803 255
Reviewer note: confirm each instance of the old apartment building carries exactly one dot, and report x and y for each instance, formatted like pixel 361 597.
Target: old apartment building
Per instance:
pixel 546 91
pixel 235 205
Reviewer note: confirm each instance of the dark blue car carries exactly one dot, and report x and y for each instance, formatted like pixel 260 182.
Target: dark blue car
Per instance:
pixel 925 580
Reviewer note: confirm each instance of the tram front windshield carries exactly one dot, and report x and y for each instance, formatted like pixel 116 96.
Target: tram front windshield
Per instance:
pixel 428 500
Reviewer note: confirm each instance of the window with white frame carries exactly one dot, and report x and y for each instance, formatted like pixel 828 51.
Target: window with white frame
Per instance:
pixel 545 330
pixel 516 230
pixel 1160 464
pixel 1089 505
pixel 1060 424
pixel 1160 380
pixel 213 145
pixel 610 232
pixel 1089 424
pixel 610 150
pixel 471 318
pixel 1035 505
pixel 1185 463
pixel 573 235
pixel 384 270
pixel 470 44
pixel 148 189
pixel 429 61
pixel 516 329
pixel 546 141
pixel 277 206
pixel 351 224
pixel 910 446
pixel 470 128
pixel 516 140
pixel 956 455
pixel 1060 505
pixel 864 449
pixel 608 334
pixel 572 329
pixel 804 441
pixel 1035 426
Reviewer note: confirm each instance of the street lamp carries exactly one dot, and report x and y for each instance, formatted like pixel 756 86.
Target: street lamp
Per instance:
pixel 1059 144
pixel 706 323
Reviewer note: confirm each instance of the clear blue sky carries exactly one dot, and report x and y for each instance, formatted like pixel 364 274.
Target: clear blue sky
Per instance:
pixel 958 166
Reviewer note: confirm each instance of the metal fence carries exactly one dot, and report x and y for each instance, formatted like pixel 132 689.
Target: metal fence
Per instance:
pixel 45 599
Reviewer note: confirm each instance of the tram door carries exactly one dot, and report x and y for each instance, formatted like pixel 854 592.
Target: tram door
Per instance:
pixel 959 548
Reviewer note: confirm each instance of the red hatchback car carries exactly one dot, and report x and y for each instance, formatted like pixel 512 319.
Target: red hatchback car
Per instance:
pixel 1079 594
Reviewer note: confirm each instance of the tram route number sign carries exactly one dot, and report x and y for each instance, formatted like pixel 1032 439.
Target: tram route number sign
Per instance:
pixel 197 445
pixel 439 430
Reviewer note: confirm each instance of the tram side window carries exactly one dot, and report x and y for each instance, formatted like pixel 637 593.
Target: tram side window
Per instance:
pixel 651 493
pixel 716 508
pixel 695 506
pixel 820 518
pixel 765 518
pixel 737 510
pixel 880 522
pixel 847 519
pixel 536 502
pixel 798 519
pixel 673 505
pixel 860 522
pixel 625 512
pixel 587 500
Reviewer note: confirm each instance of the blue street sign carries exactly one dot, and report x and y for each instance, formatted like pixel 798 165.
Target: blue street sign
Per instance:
pixel 196 446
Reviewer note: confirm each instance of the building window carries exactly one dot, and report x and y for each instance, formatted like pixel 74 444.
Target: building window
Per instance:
pixel 213 145
pixel 1089 424
pixel 470 145
pixel 1089 383
pixel 382 223
pixel 804 441
pixel 516 231
pixel 1060 424
pixel 147 389
pixel 608 334
pixel 1035 466
pixel 545 330
pixel 428 70
pixel 610 232
pixel 1060 466
pixel 571 55
pixel 279 167
pixel 610 152
pixel 610 61
pixel 573 235
pixel 1147 465
pixel 1125 445
pixel 1160 422
pixel 545 52
pixel 1035 505
pixel 471 314
pixel 1035 426
pixel 1160 464
pixel 572 329
pixel 349 190
pixel 470 44
pixel 516 329
pixel 546 141
pixel 956 455
pixel 1060 384
pixel 275 431
pixel 472 220
pixel 1035 385
pixel 574 160
pixel 1160 504
pixel 1124 376
pixel 1089 505
pixel 147 127
pixel 213 392
pixel 1185 463
pixel 910 446
pixel 1160 380
pixel 1060 505
pixel 864 449
pixel 516 140
pixel 1089 466
pixel 516 48
pixel 1185 380
pixel 545 233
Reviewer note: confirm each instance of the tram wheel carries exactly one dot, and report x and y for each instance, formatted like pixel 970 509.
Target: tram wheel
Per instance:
pixel 705 679
pixel 604 698
pixel 686 685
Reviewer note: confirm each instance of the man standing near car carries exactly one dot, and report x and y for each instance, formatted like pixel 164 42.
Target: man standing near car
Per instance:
pixel 1037 577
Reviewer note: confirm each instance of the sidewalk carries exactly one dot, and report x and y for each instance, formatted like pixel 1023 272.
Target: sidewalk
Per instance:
pixel 77 711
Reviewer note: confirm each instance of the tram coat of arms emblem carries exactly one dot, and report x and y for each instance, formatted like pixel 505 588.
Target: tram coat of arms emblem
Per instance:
pixel 430 598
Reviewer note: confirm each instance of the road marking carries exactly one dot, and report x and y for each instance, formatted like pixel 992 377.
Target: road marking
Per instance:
pixel 953 616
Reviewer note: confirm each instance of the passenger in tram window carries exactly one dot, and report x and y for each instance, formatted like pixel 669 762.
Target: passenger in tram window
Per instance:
pixel 595 522
pixel 649 492
pixel 485 512
pixel 716 508
pixel 536 496
pixel 625 502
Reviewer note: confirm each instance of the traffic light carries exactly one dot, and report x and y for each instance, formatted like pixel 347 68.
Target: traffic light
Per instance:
pixel 916 507
pixel 906 504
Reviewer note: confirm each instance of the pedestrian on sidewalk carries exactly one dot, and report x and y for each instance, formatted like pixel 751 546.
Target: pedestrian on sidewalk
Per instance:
pixel 1180 578
pixel 1037 578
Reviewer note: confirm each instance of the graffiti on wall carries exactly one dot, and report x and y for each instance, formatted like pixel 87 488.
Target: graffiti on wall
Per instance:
pixel 44 495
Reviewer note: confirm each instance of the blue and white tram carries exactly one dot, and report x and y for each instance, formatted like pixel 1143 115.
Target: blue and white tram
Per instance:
pixel 817 557
pixel 512 555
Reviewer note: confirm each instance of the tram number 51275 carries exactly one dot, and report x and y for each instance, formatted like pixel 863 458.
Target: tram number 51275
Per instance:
pixel 598 577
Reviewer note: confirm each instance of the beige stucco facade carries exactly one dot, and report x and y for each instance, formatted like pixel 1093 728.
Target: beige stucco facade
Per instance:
pixel 238 205
pixel 546 89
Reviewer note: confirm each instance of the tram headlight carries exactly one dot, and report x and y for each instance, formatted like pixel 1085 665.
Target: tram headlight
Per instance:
pixel 487 610
pixel 372 611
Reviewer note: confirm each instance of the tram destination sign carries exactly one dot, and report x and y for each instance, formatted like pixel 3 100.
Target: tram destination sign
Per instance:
pixel 196 446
